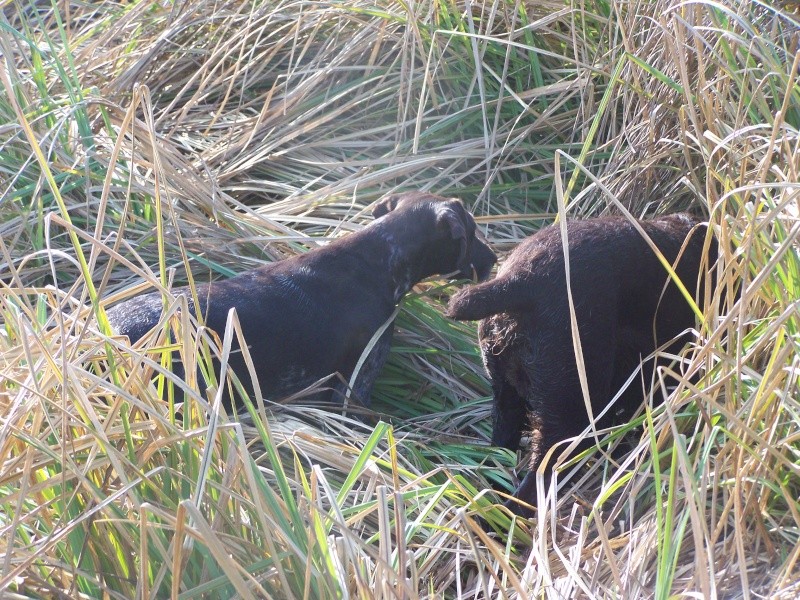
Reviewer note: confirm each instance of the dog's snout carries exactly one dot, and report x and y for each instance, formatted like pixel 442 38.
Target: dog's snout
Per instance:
pixel 483 259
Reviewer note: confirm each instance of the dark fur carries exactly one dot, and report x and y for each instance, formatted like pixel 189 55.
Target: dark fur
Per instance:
pixel 312 315
pixel 625 310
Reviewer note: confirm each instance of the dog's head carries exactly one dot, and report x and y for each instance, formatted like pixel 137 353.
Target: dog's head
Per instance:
pixel 464 251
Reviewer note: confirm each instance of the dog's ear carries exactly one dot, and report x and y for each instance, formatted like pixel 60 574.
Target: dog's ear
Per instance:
pixel 452 216
pixel 386 205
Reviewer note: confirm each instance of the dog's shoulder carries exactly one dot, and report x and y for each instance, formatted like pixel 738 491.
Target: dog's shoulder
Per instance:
pixel 676 230
pixel 677 223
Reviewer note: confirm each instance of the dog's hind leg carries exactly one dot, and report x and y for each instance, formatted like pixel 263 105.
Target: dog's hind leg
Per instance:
pixel 555 396
pixel 510 415
pixel 503 360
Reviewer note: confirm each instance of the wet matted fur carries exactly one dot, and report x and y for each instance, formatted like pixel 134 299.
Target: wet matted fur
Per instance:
pixel 626 306
pixel 312 315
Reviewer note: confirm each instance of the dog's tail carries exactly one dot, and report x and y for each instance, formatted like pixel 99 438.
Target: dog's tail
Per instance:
pixel 503 294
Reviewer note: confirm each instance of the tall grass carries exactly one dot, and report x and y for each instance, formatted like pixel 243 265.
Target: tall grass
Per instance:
pixel 143 144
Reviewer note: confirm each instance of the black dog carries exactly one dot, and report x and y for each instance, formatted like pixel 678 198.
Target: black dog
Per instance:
pixel 626 306
pixel 312 315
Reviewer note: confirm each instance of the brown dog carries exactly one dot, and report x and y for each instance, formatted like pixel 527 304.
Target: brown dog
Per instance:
pixel 312 315
pixel 626 307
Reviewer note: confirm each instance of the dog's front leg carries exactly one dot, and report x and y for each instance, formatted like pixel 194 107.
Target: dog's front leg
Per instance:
pixel 371 368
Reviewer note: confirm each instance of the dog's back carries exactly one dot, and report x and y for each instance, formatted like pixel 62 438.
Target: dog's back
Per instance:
pixel 603 253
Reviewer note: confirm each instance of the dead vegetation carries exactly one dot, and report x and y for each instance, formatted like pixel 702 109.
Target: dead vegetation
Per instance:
pixel 145 143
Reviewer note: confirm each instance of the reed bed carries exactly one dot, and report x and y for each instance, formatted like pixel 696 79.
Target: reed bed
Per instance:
pixel 148 144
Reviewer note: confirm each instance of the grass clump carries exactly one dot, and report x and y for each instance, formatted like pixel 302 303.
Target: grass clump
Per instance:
pixel 146 144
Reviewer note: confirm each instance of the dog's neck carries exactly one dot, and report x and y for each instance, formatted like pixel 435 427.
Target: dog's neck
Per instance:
pixel 409 258
pixel 398 253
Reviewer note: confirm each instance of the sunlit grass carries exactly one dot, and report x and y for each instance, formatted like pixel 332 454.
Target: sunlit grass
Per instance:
pixel 144 145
